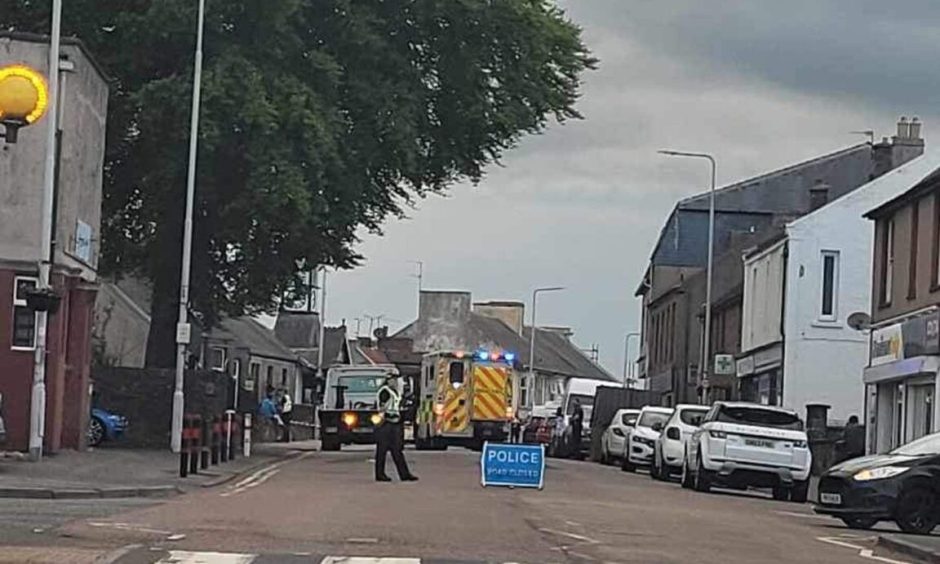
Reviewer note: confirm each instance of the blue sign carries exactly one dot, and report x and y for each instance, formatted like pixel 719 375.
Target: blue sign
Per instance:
pixel 514 466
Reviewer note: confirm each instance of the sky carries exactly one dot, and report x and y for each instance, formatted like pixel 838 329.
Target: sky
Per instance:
pixel 759 84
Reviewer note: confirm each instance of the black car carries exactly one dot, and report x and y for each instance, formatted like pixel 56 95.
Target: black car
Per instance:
pixel 902 486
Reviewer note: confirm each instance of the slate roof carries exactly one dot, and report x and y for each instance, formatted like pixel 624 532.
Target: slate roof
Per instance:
pixel 555 353
pixel 248 332
pixel 923 172
pixel 298 330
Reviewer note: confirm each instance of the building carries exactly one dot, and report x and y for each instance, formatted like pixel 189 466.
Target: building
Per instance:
pixel 450 321
pixel 83 107
pixel 672 289
pixel 901 381
pixel 799 291
pixel 300 332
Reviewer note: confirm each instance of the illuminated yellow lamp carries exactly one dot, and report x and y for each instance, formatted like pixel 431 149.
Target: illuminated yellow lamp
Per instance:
pixel 24 98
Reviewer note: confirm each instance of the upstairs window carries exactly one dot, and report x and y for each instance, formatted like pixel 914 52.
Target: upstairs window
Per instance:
pixel 24 319
pixel 887 262
pixel 830 285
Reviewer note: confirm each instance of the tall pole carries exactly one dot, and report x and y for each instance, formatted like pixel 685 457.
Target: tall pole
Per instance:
pixel 706 339
pixel 37 411
pixel 535 297
pixel 182 328
pixel 420 277
pixel 626 359
pixel 322 336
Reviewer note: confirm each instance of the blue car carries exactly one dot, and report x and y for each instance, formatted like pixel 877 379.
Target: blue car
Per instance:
pixel 105 426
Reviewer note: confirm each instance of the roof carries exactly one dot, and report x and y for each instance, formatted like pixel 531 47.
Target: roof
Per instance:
pixel 751 204
pixel 247 332
pixel 919 177
pixel 298 330
pixel 72 41
pixel 556 354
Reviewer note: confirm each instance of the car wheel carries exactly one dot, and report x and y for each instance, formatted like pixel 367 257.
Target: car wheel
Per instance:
pixel 656 470
pixel 330 444
pixel 96 432
pixel 686 480
pixel 800 491
pixel 860 523
pixel 703 479
pixel 917 511
pixel 781 493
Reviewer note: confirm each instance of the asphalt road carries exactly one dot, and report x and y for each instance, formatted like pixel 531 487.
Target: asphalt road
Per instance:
pixel 322 504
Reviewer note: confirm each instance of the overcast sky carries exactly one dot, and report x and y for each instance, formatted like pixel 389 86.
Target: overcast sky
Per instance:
pixel 760 84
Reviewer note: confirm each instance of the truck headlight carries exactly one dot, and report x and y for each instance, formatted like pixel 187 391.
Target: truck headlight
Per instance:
pixel 376 418
pixel 879 473
pixel 350 419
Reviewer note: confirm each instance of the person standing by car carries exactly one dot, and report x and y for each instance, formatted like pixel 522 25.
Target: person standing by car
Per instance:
pixel 577 427
pixel 287 408
pixel 389 435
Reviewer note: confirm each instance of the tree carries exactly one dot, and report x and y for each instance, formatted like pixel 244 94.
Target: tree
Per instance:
pixel 320 118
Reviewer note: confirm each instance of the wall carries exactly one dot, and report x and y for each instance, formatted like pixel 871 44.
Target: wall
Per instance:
pixel 763 297
pixel 121 329
pixel 83 137
pixel 510 313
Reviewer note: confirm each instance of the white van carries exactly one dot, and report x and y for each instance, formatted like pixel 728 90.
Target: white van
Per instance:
pixel 582 392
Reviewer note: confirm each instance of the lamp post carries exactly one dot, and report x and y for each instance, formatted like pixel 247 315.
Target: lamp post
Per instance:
pixel 706 352
pixel 626 357
pixel 535 296
pixel 183 328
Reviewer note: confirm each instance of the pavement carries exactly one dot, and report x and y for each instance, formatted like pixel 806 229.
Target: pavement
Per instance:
pixel 923 548
pixel 124 473
pixel 324 508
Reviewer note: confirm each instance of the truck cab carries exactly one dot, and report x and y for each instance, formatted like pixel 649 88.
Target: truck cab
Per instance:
pixel 350 412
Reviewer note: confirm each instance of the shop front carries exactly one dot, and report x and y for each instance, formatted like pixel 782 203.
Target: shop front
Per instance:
pixel 901 383
pixel 760 375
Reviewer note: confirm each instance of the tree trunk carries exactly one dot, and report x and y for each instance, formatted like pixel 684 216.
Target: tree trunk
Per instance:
pixel 164 306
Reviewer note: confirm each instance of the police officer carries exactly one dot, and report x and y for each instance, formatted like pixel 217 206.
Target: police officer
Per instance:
pixel 389 435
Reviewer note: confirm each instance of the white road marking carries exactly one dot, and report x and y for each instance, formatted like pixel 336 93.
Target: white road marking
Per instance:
pixel 184 557
pixel 260 476
pixel 581 538
pixel 361 560
pixel 362 540
pixel 129 527
pixel 862 551
pixel 804 515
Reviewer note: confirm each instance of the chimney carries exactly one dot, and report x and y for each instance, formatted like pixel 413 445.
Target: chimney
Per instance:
pixel 449 306
pixel 906 146
pixel 510 313
pixel 818 195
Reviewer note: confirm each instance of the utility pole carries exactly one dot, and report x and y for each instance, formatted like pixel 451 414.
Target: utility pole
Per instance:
pixel 322 336
pixel 183 328
pixel 420 277
pixel 37 411
pixel 627 370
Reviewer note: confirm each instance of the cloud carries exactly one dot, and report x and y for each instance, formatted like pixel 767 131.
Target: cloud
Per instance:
pixel 760 84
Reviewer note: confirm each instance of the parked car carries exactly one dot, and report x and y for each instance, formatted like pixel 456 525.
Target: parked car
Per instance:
pixel 638 446
pixel 613 442
pixel 670 446
pixel 741 445
pixel 900 486
pixel 105 426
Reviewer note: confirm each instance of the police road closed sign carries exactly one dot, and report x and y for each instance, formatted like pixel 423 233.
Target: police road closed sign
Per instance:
pixel 516 466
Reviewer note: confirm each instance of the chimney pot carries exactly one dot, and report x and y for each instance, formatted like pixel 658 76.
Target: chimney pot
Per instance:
pixel 904 128
pixel 915 128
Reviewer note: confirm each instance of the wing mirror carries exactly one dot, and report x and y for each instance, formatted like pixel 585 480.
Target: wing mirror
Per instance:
pixel 657 426
pixel 673 433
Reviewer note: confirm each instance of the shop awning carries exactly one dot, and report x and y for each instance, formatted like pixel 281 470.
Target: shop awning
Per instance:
pixel 929 364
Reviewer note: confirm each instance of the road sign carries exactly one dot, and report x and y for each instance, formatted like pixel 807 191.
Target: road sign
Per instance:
pixel 515 466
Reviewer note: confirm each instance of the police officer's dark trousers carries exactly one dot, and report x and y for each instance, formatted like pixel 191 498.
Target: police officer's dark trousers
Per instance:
pixel 389 439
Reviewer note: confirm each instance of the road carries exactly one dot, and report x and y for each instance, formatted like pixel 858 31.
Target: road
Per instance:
pixel 319 504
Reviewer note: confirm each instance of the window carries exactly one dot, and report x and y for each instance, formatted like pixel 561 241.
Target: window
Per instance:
pixel 456 373
pixel 524 390
pixel 887 262
pixel 830 285
pixel 24 319
pixel 254 371
pixel 283 377
pixel 935 251
pixel 270 377
pixel 912 264
pixel 217 359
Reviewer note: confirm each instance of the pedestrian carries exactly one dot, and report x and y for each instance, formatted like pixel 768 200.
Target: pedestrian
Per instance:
pixel 577 426
pixel 854 438
pixel 287 408
pixel 389 434
pixel 514 430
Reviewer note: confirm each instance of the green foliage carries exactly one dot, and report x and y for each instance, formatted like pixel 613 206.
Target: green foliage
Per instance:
pixel 320 118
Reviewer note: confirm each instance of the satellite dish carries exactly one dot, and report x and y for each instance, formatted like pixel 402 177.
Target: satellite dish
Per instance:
pixel 860 321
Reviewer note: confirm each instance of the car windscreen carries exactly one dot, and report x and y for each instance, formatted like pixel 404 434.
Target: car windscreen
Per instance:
pixel 745 415
pixel 367 384
pixel 692 416
pixel 922 446
pixel 650 418
pixel 629 419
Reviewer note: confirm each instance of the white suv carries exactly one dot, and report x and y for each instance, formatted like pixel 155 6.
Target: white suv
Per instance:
pixel 641 438
pixel 745 444
pixel 670 446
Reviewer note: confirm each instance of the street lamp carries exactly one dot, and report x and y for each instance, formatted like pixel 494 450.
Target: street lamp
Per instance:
pixel 626 356
pixel 24 98
pixel 706 353
pixel 183 329
pixel 535 296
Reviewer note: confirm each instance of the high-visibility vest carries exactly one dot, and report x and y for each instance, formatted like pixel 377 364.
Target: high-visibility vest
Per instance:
pixel 391 407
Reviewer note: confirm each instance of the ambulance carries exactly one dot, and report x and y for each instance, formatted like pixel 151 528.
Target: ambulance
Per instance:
pixel 465 399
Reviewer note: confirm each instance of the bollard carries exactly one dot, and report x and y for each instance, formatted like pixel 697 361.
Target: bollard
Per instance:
pixel 203 446
pixel 230 432
pixel 194 441
pixel 216 440
pixel 184 448
pixel 246 436
pixel 223 450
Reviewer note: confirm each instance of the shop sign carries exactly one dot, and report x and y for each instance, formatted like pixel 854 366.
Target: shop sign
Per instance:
pixel 911 338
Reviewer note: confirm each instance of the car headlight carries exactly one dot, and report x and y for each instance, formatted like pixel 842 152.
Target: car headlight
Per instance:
pixel 617 432
pixel 718 434
pixel 879 473
pixel 376 418
pixel 799 444
pixel 350 419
